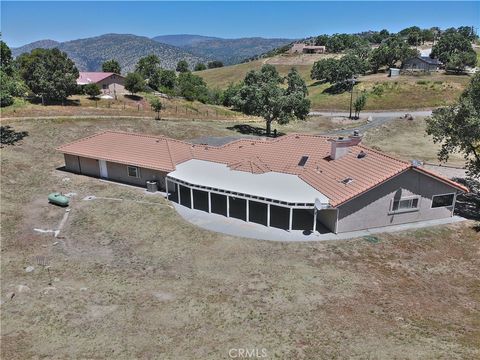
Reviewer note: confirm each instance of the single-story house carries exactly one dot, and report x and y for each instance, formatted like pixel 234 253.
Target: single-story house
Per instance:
pixel 295 182
pixel 302 48
pixel 109 83
pixel 421 63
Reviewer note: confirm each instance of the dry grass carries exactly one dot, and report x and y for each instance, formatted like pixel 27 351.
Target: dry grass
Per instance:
pixel 134 280
pixel 407 140
pixel 404 92
pixel 79 105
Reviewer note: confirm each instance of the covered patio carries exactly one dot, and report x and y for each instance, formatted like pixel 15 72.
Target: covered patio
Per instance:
pixel 272 199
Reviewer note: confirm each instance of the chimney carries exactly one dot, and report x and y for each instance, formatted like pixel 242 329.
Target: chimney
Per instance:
pixel 340 147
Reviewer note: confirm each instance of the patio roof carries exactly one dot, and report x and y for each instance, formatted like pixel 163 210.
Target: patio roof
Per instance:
pixel 272 185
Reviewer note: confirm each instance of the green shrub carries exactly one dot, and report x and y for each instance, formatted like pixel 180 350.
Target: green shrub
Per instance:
pixel 378 90
pixel 5 99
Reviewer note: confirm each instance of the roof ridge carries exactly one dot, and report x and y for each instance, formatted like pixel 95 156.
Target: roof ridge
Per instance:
pixel 382 153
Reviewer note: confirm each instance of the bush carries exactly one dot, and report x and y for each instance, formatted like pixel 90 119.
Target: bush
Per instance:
pixel 92 90
pixel 378 90
pixel 5 98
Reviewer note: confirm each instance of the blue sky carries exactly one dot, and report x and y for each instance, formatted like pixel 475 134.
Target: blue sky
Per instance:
pixel 23 22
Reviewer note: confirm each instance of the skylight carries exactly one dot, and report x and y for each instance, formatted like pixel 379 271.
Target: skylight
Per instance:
pixel 303 161
pixel 347 181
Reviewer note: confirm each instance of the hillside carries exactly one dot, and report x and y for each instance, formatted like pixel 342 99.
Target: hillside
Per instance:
pixel 44 44
pixel 183 39
pixel 89 54
pixel 384 93
pixel 229 51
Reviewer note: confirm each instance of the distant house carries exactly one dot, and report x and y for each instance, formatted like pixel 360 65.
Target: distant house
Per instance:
pixel 109 83
pixel 421 63
pixel 302 48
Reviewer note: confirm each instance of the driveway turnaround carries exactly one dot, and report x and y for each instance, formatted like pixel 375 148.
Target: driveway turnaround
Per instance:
pixel 235 227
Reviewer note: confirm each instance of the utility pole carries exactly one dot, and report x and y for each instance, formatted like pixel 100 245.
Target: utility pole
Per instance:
pixel 352 84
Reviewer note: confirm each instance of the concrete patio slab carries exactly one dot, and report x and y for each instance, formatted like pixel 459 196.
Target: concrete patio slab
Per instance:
pixel 235 227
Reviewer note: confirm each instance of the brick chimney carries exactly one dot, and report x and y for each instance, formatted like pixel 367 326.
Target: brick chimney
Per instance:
pixel 339 147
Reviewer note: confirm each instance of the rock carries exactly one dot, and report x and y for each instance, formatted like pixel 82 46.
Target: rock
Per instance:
pixel 29 269
pixel 370 119
pixel 49 289
pixel 10 295
pixel 66 179
pixel 22 288
pixel 83 289
pixel 163 296
pixel 56 279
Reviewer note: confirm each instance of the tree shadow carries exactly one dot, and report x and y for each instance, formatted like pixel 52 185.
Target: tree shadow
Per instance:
pixel 316 83
pixel 247 129
pixel 8 136
pixel 338 88
pixel 133 97
pixel 468 204
pixel 66 102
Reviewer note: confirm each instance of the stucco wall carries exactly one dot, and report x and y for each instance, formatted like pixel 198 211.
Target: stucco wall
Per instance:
pixel 327 218
pixel 372 209
pixel 71 163
pixel 118 172
pixel 113 84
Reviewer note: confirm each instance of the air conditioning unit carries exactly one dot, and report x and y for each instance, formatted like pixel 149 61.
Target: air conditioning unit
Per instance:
pixel 152 186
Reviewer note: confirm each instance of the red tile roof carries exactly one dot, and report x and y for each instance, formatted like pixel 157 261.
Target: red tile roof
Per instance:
pixel 256 156
pixel 93 77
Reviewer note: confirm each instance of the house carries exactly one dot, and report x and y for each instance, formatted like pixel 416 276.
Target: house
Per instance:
pixel 301 48
pixel 291 182
pixel 109 83
pixel 421 63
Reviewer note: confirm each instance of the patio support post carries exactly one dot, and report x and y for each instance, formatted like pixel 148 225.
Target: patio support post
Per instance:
pixel 248 212
pixel 209 202
pixel 191 199
pixel 315 219
pixel 228 206
pixel 290 220
pixel 178 192
pixel 268 215
pixel 166 188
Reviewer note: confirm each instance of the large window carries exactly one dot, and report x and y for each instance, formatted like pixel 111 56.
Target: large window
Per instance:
pixel 442 200
pixel 405 204
pixel 133 171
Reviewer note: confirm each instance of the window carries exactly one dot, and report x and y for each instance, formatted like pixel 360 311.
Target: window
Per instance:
pixel 303 161
pixel 105 86
pixel 442 200
pixel 133 171
pixel 402 205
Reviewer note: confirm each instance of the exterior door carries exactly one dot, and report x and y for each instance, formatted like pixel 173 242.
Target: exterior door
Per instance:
pixel 103 169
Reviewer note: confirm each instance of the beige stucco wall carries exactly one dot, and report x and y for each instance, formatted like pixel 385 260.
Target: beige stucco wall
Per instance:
pixel 118 172
pixel 372 209
pixel 328 218
pixel 114 84
pixel 71 163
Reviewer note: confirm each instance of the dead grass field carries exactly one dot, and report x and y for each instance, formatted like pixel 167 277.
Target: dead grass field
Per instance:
pixel 403 92
pixel 79 105
pixel 132 280
pixel 407 140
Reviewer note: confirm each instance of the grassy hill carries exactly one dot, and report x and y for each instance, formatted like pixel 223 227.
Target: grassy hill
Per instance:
pixel 384 93
pixel 90 53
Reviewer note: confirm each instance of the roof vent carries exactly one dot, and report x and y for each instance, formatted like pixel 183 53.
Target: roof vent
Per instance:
pixel 361 154
pixel 346 181
pixel 303 161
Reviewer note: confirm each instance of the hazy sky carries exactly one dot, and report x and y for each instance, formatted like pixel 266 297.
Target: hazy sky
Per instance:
pixel 23 22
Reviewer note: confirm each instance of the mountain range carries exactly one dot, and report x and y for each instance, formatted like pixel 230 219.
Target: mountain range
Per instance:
pixel 89 54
